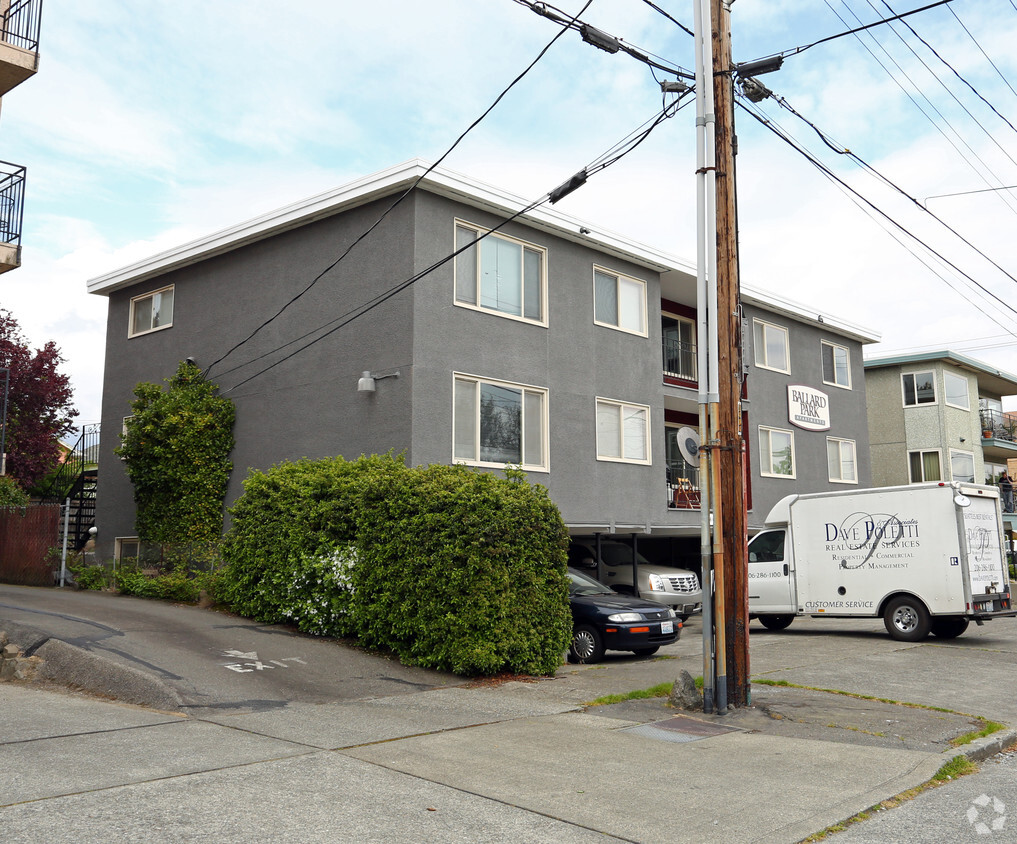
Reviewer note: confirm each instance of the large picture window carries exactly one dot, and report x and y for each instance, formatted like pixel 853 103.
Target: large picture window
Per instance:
pixel 924 466
pixel 776 453
pixel 919 388
pixel 962 466
pixel 623 431
pixel 840 455
pixel 151 312
pixel 619 301
pixel 497 423
pixel 770 346
pixel 956 387
pixel 836 365
pixel 500 274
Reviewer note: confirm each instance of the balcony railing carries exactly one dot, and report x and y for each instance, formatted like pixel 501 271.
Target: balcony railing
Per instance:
pixel 680 360
pixel 12 202
pixel 997 425
pixel 20 24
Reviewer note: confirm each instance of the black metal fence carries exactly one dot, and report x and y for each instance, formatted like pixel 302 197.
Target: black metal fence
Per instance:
pixel 12 202
pixel 21 23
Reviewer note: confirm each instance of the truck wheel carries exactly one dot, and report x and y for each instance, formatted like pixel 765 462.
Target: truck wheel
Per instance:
pixel 906 619
pixel 949 626
pixel 776 622
pixel 587 646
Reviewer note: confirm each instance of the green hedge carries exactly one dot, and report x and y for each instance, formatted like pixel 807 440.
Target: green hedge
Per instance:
pixel 447 567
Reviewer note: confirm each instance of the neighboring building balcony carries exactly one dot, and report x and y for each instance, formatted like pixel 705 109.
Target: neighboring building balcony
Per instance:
pixel 19 41
pixel 680 360
pixel 997 425
pixel 682 495
pixel 12 206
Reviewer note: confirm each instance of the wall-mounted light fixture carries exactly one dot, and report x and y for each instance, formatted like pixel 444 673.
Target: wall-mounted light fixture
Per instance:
pixel 367 381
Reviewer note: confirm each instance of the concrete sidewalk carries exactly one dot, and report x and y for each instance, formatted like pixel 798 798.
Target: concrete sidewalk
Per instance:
pixel 490 761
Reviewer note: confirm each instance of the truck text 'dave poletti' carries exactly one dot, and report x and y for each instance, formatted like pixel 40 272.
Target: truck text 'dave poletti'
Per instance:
pixel 925 557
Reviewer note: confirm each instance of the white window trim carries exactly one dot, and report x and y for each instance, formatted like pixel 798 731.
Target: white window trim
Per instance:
pixel 946 392
pixel 903 395
pixel 854 449
pixel 618 279
pixel 481 231
pixel 764 471
pixel 971 454
pixel 756 351
pixel 911 451
pixel 648 461
pixel 150 294
pixel 848 351
pixel 545 445
pixel 118 546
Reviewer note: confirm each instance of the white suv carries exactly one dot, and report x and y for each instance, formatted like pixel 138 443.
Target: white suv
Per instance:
pixel 675 588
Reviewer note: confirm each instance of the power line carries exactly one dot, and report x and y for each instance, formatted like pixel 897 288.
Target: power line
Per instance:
pixel 400 198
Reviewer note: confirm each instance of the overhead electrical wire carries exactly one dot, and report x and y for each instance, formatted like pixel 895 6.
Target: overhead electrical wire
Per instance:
pixel 677 23
pixel 400 198
pixel 979 46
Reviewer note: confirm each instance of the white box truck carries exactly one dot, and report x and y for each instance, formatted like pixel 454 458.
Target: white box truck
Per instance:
pixel 924 558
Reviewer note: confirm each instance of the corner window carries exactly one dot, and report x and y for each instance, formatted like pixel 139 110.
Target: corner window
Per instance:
pixel 776 453
pixel 619 301
pixel 840 455
pixel 495 423
pixel 836 365
pixel 770 346
pixel 501 275
pixel 919 388
pixel 956 388
pixel 962 466
pixel 924 466
pixel 622 431
pixel 151 312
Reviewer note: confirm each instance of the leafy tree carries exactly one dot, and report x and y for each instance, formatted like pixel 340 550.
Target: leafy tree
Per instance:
pixel 176 447
pixel 39 409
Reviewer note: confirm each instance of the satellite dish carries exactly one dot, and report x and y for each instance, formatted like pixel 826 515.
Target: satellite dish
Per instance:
pixel 688 444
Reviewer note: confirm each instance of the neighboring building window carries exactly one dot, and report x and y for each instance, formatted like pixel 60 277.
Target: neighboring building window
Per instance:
pixel 501 274
pixel 623 431
pixel 836 365
pixel 962 466
pixel 919 388
pixel 126 548
pixel 151 311
pixel 924 466
pixel 776 453
pixel 840 455
pixel 497 423
pixel 770 345
pixel 956 391
pixel 619 301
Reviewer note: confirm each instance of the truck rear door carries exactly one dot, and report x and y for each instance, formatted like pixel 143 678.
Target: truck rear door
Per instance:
pixel 986 571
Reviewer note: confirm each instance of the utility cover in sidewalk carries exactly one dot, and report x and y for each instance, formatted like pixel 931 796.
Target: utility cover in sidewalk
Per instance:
pixel 679 729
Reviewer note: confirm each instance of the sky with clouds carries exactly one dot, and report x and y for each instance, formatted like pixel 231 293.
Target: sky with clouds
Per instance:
pixel 149 125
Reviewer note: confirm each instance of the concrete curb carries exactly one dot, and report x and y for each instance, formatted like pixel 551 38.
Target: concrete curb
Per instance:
pixel 981 749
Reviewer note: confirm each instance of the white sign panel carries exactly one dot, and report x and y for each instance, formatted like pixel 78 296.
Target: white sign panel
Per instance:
pixel 808 408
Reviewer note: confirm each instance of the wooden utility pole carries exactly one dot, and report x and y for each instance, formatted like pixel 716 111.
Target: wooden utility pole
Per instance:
pixel 728 451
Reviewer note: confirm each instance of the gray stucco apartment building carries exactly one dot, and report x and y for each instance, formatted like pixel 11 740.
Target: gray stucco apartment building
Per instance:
pixel 548 343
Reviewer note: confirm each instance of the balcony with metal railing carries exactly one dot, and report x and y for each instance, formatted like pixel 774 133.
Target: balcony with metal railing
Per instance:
pixel 997 425
pixel 20 21
pixel 12 209
pixel 680 360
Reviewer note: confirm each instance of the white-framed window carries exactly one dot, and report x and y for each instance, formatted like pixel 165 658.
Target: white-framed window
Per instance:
pixel 497 423
pixel 776 452
pixel 151 312
pixel 836 365
pixel 623 431
pixel 924 466
pixel 770 346
pixel 678 335
pixel 501 275
pixel 962 466
pixel 955 391
pixel 840 455
pixel 619 301
pixel 126 547
pixel 919 387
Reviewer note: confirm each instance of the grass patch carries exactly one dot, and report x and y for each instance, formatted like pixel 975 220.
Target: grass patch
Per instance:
pixel 660 690
pixel 873 698
pixel 988 728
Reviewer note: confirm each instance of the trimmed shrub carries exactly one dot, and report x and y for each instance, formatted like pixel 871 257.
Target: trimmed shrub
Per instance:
pixel 447 567
pixel 11 494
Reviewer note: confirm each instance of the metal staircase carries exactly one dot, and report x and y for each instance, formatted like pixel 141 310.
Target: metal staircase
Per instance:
pixel 74 485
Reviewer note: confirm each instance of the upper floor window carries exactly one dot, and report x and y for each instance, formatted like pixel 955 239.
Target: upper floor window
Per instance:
pixel 495 423
pixel 840 455
pixel 622 431
pixel 770 344
pixel 956 389
pixel 151 311
pixel 836 365
pixel 776 453
pixel 678 335
pixel 619 301
pixel 919 388
pixel 924 466
pixel 501 274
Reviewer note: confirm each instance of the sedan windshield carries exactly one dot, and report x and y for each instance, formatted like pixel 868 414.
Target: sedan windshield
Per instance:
pixel 582 585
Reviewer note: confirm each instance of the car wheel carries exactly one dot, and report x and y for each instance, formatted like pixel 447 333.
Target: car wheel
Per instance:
pixel 906 619
pixel 646 651
pixel 587 646
pixel 776 622
pixel 949 627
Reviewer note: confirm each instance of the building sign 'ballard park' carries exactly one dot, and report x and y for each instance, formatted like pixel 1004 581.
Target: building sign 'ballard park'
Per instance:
pixel 808 408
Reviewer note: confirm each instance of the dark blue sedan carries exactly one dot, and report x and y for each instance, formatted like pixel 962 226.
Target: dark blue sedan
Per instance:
pixel 604 620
